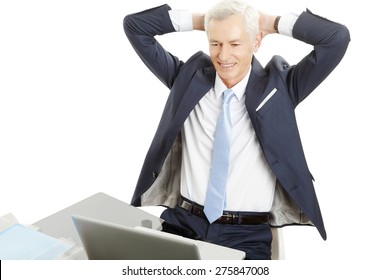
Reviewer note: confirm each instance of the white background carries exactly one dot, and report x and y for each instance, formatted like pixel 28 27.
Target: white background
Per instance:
pixel 76 117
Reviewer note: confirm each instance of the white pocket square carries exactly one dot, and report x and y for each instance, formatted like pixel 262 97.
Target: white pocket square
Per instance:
pixel 266 99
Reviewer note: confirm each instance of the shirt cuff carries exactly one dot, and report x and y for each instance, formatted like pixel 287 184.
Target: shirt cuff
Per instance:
pixel 181 20
pixel 286 24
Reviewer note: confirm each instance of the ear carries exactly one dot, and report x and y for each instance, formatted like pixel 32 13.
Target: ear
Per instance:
pixel 257 41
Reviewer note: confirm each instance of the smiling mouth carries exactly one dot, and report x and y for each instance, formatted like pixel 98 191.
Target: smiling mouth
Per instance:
pixel 226 65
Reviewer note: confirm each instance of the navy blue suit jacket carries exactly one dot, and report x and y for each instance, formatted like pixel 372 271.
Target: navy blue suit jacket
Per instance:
pixel 274 121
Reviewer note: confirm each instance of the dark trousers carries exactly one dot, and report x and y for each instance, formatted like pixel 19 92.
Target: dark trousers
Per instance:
pixel 254 240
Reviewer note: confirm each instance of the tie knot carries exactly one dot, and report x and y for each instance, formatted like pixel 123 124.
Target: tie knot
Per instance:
pixel 228 95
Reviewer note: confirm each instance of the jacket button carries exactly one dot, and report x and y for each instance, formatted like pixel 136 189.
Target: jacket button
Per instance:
pixel 285 66
pixel 155 174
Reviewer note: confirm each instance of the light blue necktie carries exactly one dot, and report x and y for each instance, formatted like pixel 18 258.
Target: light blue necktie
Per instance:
pixel 216 190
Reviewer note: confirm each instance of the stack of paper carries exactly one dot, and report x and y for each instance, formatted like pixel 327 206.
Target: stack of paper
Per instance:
pixel 19 242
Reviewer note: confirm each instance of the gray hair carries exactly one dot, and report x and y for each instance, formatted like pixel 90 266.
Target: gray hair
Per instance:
pixel 227 8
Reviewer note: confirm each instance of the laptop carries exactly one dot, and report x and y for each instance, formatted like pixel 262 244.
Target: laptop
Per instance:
pixel 109 241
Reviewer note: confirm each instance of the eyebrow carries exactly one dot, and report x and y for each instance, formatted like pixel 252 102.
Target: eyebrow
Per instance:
pixel 231 41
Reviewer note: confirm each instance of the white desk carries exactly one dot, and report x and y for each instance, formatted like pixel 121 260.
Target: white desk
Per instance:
pixel 104 207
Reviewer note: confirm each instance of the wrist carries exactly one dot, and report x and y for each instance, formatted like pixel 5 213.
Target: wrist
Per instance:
pixel 198 21
pixel 268 24
pixel 276 24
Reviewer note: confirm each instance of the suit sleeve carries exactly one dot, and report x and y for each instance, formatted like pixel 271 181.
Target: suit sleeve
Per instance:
pixel 141 29
pixel 330 41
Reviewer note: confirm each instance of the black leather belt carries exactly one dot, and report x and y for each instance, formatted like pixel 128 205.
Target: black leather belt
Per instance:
pixel 234 218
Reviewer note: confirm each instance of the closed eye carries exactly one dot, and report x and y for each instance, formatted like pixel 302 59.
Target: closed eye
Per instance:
pixel 214 43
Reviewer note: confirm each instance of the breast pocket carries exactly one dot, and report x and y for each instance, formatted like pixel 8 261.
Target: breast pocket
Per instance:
pixel 270 99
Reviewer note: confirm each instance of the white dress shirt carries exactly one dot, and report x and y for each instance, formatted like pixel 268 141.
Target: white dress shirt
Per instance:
pixel 251 183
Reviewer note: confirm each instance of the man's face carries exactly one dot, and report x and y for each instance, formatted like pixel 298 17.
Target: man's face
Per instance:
pixel 231 48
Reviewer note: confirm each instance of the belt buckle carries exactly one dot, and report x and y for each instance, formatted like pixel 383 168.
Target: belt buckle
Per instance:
pixel 235 219
pixel 190 207
pixel 187 205
pixel 231 218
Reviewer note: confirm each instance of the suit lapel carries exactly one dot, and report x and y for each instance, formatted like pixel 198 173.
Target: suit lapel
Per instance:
pixel 255 88
pixel 201 83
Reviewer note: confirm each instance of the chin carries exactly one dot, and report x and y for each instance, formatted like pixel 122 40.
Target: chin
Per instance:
pixel 227 79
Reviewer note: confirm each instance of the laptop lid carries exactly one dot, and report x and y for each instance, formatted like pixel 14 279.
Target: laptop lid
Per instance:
pixel 109 241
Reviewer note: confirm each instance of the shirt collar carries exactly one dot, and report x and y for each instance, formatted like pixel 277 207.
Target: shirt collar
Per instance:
pixel 239 89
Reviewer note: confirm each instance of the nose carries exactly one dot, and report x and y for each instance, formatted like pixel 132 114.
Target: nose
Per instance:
pixel 224 53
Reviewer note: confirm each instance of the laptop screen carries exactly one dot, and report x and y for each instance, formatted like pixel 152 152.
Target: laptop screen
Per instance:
pixel 109 241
